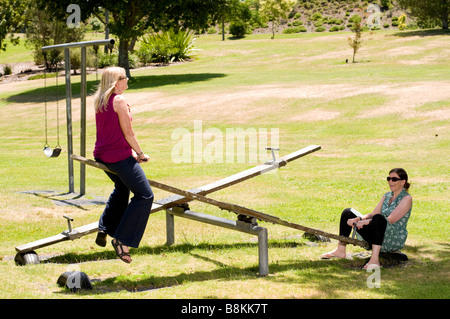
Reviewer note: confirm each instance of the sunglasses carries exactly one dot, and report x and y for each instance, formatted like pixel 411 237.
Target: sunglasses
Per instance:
pixel 123 78
pixel 394 179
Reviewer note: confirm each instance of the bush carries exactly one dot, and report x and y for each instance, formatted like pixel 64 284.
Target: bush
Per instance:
pixel 334 28
pixel 212 30
pixel 105 60
pixel 166 47
pixel 317 16
pixel 318 23
pixel 238 29
pixel 320 29
pixel 294 30
pixel 355 18
pixel 7 70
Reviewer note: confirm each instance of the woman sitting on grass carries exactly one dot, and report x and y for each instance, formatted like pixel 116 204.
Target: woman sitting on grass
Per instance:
pixel 385 228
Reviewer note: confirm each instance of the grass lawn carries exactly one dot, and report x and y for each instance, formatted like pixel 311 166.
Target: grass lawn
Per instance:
pixel 391 109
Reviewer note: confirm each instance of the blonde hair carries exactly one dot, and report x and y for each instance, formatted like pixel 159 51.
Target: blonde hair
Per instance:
pixel 110 77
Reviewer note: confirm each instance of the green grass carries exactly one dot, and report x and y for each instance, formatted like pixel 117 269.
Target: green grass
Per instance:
pixel 16 53
pixel 299 84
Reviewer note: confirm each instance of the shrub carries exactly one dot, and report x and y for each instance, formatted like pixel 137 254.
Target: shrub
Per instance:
pixel 334 28
pixel 295 30
pixel 317 16
pixel 355 18
pixel 320 29
pixel 290 30
pixel 108 59
pixel 238 29
pixel 166 47
pixel 7 70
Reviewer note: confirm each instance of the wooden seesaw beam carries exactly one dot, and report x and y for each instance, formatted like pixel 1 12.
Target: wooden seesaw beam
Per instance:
pixel 232 207
pixel 174 200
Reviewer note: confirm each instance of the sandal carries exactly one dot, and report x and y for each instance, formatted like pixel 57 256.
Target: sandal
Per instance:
pixel 125 257
pixel 101 238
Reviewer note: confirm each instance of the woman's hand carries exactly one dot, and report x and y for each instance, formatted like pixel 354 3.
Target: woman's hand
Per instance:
pixel 352 221
pixel 360 223
pixel 143 158
pixel 363 222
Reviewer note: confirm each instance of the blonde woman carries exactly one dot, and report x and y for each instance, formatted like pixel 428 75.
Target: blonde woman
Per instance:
pixel 117 147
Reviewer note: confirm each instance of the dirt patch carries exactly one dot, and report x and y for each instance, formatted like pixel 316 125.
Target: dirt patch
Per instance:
pixel 408 97
pixel 20 71
pixel 238 106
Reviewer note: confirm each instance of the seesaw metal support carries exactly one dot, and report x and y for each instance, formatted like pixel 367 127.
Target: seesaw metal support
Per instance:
pixel 248 226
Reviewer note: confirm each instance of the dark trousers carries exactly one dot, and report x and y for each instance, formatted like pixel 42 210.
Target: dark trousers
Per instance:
pixel 122 218
pixel 372 233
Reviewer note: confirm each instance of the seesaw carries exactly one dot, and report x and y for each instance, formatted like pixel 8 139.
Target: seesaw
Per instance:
pixel 175 205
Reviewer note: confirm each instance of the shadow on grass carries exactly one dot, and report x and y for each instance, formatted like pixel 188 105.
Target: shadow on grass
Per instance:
pixel 421 33
pixel 224 272
pixel 325 274
pixel 54 92
pixel 71 258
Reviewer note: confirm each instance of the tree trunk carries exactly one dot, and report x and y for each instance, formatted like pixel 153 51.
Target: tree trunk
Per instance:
pixel 445 21
pixel 223 29
pixel 123 56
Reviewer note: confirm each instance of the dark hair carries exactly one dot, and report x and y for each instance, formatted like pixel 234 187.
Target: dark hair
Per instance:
pixel 402 174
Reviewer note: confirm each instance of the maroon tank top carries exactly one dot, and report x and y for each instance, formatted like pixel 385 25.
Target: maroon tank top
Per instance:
pixel 111 145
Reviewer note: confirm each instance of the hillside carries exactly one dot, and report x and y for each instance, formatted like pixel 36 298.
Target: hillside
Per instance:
pixel 336 15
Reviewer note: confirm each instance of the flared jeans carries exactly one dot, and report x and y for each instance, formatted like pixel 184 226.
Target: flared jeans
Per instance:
pixel 122 218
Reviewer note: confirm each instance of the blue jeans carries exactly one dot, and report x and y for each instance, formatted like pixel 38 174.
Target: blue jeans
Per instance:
pixel 122 218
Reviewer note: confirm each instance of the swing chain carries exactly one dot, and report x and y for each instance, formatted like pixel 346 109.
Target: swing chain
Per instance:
pixel 57 106
pixel 45 103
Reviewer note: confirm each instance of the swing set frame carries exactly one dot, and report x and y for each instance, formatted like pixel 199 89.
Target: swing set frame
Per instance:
pixel 67 46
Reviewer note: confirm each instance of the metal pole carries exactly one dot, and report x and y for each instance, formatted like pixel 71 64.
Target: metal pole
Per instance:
pixel 263 251
pixel 83 121
pixel 170 229
pixel 106 30
pixel 69 119
pixel 248 228
pixel 78 44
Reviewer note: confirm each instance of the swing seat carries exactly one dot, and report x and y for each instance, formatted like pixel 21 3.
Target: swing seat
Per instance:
pixel 49 152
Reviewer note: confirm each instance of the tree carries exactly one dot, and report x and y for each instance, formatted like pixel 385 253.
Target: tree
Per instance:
pixel 437 10
pixel 11 20
pixel 356 41
pixel 131 19
pixel 275 10
pixel 237 12
pixel 43 30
